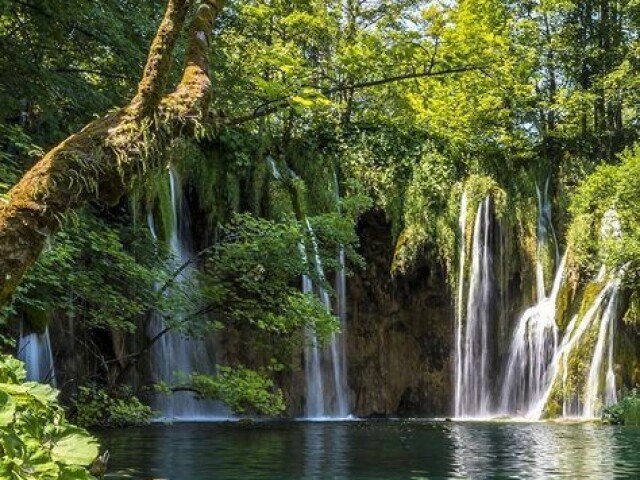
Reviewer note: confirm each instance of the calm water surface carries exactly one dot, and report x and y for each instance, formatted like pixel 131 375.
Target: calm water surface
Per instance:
pixel 386 450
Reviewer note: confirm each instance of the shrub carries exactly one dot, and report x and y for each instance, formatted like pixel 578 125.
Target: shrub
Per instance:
pixel 626 411
pixel 94 407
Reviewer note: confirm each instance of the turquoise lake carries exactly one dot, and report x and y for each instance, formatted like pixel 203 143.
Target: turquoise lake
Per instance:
pixel 367 450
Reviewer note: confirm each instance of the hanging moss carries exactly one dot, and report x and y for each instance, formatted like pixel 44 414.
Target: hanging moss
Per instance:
pixel 564 302
pixel 154 195
pixel 35 319
pixel 318 172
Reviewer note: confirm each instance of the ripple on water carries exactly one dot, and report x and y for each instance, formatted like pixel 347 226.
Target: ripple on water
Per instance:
pixel 369 450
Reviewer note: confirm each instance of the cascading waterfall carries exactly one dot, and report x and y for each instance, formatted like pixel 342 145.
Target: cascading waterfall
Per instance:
pixel 597 394
pixel 535 338
pixel 560 364
pixel 338 348
pixel 314 382
pixel 473 382
pixel 538 365
pixel 326 389
pixel 534 345
pixel 34 349
pixel 462 222
pixel 173 354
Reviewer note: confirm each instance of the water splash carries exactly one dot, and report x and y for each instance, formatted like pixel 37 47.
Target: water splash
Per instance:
pixel 560 364
pixel 535 339
pixel 533 347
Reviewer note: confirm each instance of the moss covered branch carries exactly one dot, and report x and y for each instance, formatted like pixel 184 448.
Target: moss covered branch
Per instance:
pixel 101 161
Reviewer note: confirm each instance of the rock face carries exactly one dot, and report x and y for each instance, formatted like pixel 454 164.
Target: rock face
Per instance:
pixel 399 333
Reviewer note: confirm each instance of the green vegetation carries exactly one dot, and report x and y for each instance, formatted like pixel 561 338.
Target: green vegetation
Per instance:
pixel 94 407
pixel 36 441
pixel 320 111
pixel 625 412
pixel 244 391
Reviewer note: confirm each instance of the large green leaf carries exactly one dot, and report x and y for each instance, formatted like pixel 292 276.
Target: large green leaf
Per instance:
pixel 75 448
pixel 43 393
pixel 7 409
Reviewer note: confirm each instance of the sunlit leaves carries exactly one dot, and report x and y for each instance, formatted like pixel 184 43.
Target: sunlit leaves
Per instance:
pixel 251 277
pixel 36 442
pixel 245 391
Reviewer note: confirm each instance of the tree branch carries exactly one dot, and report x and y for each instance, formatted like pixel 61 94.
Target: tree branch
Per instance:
pixel 277 105
pixel 154 78
pixel 101 161
pixel 400 78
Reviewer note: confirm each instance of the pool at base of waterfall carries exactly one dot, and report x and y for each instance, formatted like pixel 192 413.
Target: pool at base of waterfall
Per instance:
pixel 369 450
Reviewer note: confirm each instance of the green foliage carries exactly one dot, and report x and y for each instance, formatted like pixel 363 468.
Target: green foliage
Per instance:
pixel 101 273
pixel 245 391
pixel 95 407
pixel 609 200
pixel 625 412
pixel 81 59
pixel 249 276
pixel 36 441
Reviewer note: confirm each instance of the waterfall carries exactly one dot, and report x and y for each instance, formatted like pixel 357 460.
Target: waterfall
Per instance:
pixel 462 222
pixel 545 222
pixel 173 353
pixel 473 387
pixel 539 359
pixel 536 361
pixel 533 347
pixel 338 347
pixel 314 392
pixel 338 351
pixel 535 338
pixel 34 349
pixel 591 401
pixel 325 379
pixel 560 364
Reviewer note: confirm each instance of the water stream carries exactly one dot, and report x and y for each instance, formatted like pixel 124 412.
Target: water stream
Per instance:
pixel 325 378
pixel 473 385
pixel 34 349
pixel 173 354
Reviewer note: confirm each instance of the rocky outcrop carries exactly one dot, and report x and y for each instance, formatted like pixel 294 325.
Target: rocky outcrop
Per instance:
pixel 399 332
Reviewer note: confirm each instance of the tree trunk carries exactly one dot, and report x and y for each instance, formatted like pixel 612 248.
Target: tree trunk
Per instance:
pixel 102 160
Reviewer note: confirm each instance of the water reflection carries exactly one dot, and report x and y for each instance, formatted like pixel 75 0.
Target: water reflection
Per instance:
pixel 386 450
pixel 326 452
pixel 544 450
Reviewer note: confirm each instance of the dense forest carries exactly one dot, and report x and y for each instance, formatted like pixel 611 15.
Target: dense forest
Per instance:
pixel 313 209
